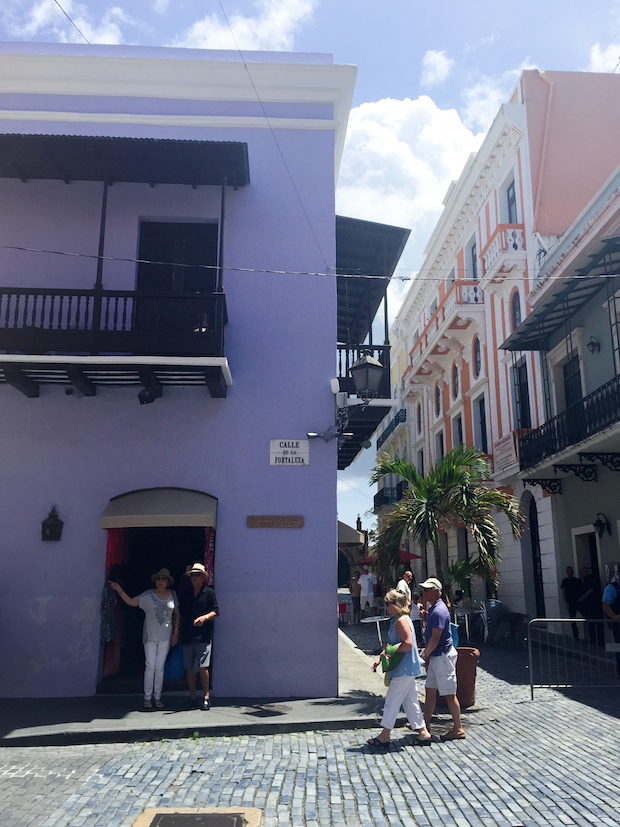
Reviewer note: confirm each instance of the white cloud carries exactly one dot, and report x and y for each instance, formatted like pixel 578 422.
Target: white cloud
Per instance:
pixel 483 99
pixel 399 158
pixel 604 60
pixel 46 18
pixel 273 27
pixel 435 68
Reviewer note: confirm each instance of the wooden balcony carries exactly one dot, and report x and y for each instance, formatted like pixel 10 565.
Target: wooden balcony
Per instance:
pixel 40 321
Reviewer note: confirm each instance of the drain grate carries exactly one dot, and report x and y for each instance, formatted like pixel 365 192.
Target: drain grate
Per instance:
pixel 198 820
pixel 267 710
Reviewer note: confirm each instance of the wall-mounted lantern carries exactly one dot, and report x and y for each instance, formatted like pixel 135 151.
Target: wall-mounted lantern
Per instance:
pixel 601 524
pixel 51 527
pixel 593 345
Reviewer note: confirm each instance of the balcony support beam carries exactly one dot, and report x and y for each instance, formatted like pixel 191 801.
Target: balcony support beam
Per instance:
pixel 80 381
pixel 611 459
pixel 18 379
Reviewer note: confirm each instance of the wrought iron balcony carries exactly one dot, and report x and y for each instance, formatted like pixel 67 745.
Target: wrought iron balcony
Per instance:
pixel 591 415
pixel 402 486
pixel 39 321
pixel 348 354
pixel 400 416
pixel 385 496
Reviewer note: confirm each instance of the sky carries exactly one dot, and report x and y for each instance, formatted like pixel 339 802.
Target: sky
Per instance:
pixel 431 77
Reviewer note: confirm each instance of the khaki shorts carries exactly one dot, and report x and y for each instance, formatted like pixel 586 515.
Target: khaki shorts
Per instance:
pixel 441 674
pixel 367 600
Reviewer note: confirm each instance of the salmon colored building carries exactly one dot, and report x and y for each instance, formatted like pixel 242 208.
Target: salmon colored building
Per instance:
pixel 549 151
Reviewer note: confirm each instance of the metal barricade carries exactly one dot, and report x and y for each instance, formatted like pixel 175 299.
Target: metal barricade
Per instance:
pixel 573 652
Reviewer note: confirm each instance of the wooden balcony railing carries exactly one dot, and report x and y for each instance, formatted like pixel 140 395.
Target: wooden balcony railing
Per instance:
pixel 591 415
pixel 36 321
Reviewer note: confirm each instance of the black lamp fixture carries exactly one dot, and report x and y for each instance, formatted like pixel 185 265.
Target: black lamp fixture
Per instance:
pixel 51 527
pixel 367 373
pixel 593 345
pixel 601 523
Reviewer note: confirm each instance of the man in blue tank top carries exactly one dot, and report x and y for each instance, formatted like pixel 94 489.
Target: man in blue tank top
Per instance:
pixel 439 656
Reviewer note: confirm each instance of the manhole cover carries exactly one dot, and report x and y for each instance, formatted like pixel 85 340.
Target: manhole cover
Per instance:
pixel 267 710
pixel 198 820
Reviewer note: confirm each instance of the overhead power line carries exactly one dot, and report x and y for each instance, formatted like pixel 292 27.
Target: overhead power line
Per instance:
pixel 72 22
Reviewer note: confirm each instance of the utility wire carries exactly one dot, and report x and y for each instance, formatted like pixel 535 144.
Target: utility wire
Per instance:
pixel 71 21
pixel 418 277
pixel 301 203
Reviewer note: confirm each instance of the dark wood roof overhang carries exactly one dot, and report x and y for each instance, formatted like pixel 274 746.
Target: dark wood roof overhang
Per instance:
pixel 566 298
pixel 131 160
pixel 363 248
pixel 362 424
pixel 87 374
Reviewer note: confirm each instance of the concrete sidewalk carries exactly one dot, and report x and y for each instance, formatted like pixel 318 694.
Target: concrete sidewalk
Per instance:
pixel 119 718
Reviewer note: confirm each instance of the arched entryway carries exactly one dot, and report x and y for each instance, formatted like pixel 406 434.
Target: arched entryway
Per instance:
pixel 533 584
pixel 148 529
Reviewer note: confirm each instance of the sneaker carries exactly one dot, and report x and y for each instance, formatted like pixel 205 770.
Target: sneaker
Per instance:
pixel 159 703
pixel 206 704
pixel 147 703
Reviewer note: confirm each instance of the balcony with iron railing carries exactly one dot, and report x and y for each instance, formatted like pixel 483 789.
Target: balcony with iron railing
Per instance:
pixel 389 495
pixel 591 415
pixel 399 417
pixel 39 321
pixel 503 254
pixel 455 309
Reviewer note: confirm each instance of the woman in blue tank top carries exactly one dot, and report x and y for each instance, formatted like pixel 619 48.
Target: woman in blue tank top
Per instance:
pixel 402 690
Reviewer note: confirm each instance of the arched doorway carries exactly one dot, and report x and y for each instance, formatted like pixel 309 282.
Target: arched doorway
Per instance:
pixel 148 529
pixel 533 584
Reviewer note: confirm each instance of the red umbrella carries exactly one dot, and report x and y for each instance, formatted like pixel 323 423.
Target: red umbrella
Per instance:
pixel 406 557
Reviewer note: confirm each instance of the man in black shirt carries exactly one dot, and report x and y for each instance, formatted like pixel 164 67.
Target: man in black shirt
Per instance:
pixel 198 608
pixel 572 590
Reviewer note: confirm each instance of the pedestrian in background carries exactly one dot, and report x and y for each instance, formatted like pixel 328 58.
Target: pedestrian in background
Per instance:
pixel 367 591
pixel 611 605
pixel 355 589
pixel 403 585
pixel 571 592
pixel 589 605
pixel 416 618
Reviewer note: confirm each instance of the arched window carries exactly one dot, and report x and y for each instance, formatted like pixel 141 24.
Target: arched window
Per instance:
pixel 516 310
pixel 419 418
pixel 455 381
pixel 437 399
pixel 477 357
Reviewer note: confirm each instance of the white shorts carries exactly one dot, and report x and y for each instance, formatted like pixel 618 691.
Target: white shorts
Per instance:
pixel 367 600
pixel 441 674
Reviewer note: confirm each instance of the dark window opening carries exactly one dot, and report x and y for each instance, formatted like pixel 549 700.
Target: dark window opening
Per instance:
pixel 477 357
pixel 511 198
pixel 572 382
pixel 474 261
pixel 522 396
pixel 482 423
pixel 177 246
pixel 516 310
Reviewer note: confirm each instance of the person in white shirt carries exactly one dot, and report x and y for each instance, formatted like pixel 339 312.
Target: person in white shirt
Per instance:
pixel 403 585
pixel 367 596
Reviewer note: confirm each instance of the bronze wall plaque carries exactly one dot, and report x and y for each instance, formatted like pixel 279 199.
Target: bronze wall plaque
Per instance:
pixel 275 522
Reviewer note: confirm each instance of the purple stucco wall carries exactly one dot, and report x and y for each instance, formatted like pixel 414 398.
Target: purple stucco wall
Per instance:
pixel 276 588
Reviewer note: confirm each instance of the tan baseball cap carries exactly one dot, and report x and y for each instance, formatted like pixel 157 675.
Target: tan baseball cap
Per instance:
pixel 431 583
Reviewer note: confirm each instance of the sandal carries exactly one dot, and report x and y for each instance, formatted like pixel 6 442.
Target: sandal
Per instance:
pixel 453 736
pixel 159 703
pixel 147 703
pixel 375 743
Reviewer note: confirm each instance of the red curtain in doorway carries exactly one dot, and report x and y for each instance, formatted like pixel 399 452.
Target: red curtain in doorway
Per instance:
pixel 116 554
pixel 210 554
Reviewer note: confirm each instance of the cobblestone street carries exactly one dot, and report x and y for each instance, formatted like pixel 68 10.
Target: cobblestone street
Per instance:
pixel 552 761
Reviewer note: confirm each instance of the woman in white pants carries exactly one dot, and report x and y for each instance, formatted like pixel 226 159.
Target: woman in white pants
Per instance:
pixel 402 690
pixel 161 630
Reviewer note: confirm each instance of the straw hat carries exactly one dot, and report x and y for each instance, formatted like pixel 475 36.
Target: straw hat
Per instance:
pixel 163 573
pixel 196 568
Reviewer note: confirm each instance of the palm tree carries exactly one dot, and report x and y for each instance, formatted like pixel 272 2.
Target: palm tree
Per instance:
pixel 454 490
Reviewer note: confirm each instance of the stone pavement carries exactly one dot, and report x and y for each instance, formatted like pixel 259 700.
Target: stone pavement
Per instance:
pixel 553 761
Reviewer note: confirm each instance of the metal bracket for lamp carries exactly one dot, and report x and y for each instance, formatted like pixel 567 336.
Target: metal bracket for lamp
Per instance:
pixel 601 524
pixel 338 429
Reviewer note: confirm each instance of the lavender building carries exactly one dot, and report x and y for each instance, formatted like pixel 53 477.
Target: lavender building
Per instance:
pixel 148 378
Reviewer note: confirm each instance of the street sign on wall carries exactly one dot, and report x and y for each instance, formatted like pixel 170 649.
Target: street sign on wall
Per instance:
pixel 289 452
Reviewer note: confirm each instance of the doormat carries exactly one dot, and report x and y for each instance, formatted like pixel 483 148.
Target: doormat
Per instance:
pixel 267 710
pixel 200 817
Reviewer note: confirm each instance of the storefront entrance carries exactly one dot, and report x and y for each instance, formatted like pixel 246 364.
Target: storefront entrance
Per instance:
pixel 147 530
